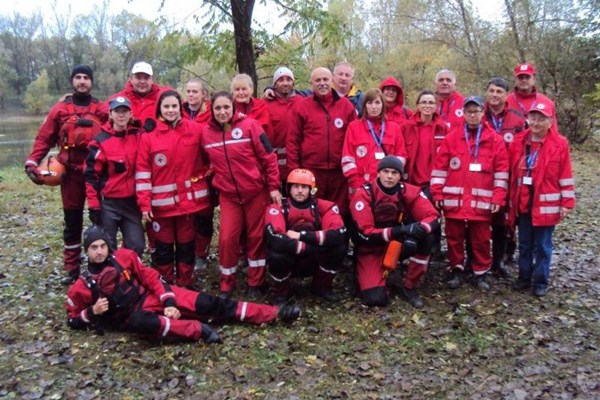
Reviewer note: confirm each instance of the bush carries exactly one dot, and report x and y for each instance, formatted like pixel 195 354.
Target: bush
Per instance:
pixel 37 99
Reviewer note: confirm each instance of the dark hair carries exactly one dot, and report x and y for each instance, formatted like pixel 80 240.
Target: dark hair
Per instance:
pixel 163 96
pixel 214 97
pixel 498 81
pixel 371 95
pixel 425 92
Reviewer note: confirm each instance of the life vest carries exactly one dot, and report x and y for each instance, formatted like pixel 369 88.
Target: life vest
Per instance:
pixel 385 212
pixel 304 224
pixel 78 130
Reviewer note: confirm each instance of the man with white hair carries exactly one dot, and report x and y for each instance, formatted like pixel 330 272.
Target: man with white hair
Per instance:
pixel 450 101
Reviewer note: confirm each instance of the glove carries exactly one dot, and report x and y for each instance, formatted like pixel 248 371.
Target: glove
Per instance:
pixel 34 174
pixel 94 215
pixel 415 230
pixel 209 335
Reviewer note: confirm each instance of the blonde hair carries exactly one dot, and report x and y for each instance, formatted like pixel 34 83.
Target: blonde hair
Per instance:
pixel 244 78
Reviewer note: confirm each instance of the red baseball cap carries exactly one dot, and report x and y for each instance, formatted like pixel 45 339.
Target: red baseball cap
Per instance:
pixel 543 106
pixel 524 69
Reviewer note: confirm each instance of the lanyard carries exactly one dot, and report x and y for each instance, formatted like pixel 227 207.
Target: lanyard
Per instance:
pixel 450 104
pixel 496 122
pixel 476 140
pixel 379 140
pixel 522 107
pixel 531 158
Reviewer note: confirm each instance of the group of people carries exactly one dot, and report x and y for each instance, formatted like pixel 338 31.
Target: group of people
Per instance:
pixel 297 176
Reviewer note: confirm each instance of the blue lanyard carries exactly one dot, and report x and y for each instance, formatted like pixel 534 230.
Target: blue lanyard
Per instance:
pixel 531 158
pixel 497 123
pixel 476 140
pixel 522 107
pixel 444 116
pixel 379 140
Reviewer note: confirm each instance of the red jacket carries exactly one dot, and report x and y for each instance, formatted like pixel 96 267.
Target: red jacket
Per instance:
pixel 130 274
pixel 257 110
pixel 507 124
pixel 280 111
pixel 110 170
pixel 241 157
pixel 142 107
pixel 57 130
pixel 316 137
pixel 552 176
pixel 376 212
pixel 422 142
pixel 398 112
pixel 523 102
pixel 318 220
pixel 451 110
pixel 202 118
pixel 170 173
pixel 467 194
pixel 361 153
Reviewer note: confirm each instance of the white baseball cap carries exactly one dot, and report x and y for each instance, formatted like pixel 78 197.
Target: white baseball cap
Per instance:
pixel 282 71
pixel 142 67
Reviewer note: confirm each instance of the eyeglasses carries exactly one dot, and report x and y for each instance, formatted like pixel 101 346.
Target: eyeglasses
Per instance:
pixel 472 112
pixel 427 103
pixel 537 118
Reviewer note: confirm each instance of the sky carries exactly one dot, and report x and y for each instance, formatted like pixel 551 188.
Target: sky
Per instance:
pixel 176 11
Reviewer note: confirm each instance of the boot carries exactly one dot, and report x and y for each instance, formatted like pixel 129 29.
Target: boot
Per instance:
pixel 499 269
pixel 289 313
pixel 455 278
pixel 209 335
pixel 482 283
pixel 412 296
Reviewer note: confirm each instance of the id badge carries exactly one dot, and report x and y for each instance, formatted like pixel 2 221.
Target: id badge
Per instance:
pixel 475 167
pixel 379 155
pixel 527 180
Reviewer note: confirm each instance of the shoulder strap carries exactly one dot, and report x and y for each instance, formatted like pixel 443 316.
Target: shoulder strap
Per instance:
pixel 91 284
pixel 314 209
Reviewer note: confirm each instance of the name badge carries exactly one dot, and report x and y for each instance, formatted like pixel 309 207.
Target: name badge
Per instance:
pixel 527 180
pixel 379 156
pixel 475 167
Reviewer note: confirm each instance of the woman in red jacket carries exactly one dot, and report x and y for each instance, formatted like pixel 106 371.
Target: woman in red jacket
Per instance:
pixel 247 177
pixel 242 88
pixel 368 140
pixel 171 187
pixel 110 177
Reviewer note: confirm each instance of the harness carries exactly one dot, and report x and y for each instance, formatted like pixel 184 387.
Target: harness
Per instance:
pixel 369 188
pixel 78 130
pixel 314 211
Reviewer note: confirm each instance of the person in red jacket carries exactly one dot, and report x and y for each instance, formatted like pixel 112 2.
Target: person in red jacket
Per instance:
pixel 119 292
pixel 506 122
pixel 196 108
pixel 393 95
pixel 242 88
pixel 306 238
pixel 247 178
pixel 316 137
pixel 386 210
pixel 469 183
pixel 368 140
pixel 141 91
pixel 110 177
pixel 171 187
pixel 449 99
pixel 423 134
pixel 280 109
pixel 541 194
pixel 70 125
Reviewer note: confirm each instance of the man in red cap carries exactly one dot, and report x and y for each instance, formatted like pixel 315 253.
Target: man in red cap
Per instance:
pixel 541 193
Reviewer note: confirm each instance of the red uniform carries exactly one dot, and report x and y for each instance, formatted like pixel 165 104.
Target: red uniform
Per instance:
pixel 142 107
pixel 318 253
pixel 257 110
pixel 398 112
pixel 137 299
pixel 70 125
pixel 197 116
pixel 315 142
pixel 280 110
pixel 245 171
pixel 376 213
pixel 171 183
pixel 523 102
pixel 367 141
pixel 110 178
pixel 551 175
pixel 451 110
pixel 422 142
pixel 469 178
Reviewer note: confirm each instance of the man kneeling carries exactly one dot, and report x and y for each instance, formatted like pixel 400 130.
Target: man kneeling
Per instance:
pixel 386 210
pixel 118 291
pixel 306 238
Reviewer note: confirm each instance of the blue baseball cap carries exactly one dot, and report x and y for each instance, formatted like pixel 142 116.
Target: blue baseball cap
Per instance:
pixel 473 99
pixel 119 102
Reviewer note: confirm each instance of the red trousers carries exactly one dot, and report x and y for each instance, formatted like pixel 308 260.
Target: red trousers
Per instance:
pixel 332 185
pixel 370 272
pixel 479 237
pixel 194 307
pixel 174 243
pixel 235 218
pixel 72 190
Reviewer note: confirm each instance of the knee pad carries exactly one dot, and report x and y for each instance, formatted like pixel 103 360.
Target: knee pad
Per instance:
pixel 375 297
pixel 164 254
pixel 73 225
pixel 143 322
pixel 425 246
pixel 184 253
pixel 204 225
pixel 215 307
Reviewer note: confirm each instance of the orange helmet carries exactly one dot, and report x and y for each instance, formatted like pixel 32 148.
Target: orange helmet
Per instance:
pixel 52 171
pixel 302 177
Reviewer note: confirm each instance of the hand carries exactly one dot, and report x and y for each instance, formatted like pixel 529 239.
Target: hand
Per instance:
pixel 438 204
pixel 94 214
pixel 34 174
pixel 275 197
pixel 495 208
pixel 564 212
pixel 269 94
pixel 172 312
pixel 101 306
pixel 415 230
pixel 293 234
pixel 147 216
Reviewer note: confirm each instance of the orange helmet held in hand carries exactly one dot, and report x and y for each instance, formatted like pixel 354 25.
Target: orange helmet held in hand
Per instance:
pixel 52 171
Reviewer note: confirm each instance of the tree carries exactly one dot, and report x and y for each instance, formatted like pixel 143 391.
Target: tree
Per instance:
pixel 37 99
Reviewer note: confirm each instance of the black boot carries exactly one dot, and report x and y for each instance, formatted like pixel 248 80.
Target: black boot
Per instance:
pixel 209 335
pixel 289 313
pixel 455 278
pixel 482 283
pixel 412 296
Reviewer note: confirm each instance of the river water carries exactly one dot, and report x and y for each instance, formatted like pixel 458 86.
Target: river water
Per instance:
pixel 16 138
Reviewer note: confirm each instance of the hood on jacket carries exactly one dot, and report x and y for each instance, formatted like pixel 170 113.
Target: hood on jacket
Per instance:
pixel 391 81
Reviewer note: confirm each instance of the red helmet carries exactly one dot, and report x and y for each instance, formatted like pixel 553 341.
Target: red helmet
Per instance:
pixel 52 171
pixel 302 177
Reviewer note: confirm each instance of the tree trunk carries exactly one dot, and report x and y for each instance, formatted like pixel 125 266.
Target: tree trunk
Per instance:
pixel 241 12
pixel 513 24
